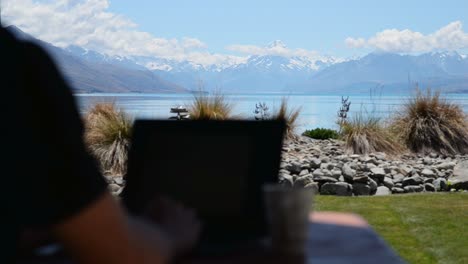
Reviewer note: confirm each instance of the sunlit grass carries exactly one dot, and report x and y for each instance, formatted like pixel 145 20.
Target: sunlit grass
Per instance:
pixel 422 228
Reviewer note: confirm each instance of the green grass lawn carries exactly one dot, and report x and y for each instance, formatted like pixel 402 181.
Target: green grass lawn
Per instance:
pixel 422 228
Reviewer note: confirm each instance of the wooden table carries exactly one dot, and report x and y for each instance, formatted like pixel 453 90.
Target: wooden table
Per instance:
pixel 335 238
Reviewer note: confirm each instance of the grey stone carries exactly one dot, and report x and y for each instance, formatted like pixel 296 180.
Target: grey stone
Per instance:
pixel 361 179
pixel 361 189
pixel 326 173
pixel 303 172
pixel 397 190
pixel 302 181
pixel 428 187
pixel 370 166
pixel 317 172
pixel 294 167
pixel 113 187
pixel 339 188
pixel 414 180
pixel 378 174
pixel 405 170
pixel 119 180
pixel 286 179
pixel 336 173
pixel 428 161
pixel 348 173
pixel 413 188
pixel 440 184
pixel 433 155
pixel 399 185
pixel 428 173
pixel 387 170
pixel 440 174
pixel 460 172
pixel 314 186
pixel 109 179
pixel 446 166
pixel 315 163
pixel 383 190
pixel 325 160
pixel 373 186
pixel 428 180
pixel 305 165
pixel 388 182
pixel 323 179
pixel 380 156
pixel 371 161
pixel 398 178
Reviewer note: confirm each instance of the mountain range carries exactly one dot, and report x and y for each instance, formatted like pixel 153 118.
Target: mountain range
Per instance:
pixel 90 71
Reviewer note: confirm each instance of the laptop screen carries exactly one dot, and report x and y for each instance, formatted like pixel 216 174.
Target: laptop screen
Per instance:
pixel 217 168
pixel 204 171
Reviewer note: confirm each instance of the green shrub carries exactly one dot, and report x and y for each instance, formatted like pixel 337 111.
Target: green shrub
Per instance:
pixel 321 133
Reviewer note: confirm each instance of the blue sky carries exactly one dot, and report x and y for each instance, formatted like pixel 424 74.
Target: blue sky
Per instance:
pixel 221 31
pixel 310 24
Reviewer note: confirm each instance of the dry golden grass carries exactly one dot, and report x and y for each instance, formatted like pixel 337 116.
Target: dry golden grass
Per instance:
pixel 210 107
pixel 290 117
pixel 108 137
pixel 429 123
pixel 366 134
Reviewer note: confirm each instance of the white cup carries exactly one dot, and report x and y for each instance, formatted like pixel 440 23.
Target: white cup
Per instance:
pixel 288 212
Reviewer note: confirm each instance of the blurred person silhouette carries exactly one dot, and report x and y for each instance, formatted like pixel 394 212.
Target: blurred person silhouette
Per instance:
pixel 51 182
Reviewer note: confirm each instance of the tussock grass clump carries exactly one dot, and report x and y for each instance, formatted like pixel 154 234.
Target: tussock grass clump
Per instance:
pixel 108 137
pixel 366 134
pixel 429 123
pixel 289 115
pixel 210 107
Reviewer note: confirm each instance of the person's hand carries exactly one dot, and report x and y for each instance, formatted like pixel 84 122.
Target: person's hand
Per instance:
pixel 180 223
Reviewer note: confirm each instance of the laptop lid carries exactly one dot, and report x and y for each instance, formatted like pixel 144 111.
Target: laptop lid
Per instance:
pixel 216 167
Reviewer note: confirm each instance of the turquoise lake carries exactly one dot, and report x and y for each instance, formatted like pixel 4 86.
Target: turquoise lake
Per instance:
pixel 316 110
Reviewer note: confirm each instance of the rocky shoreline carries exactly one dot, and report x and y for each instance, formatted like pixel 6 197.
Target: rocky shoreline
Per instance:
pixel 325 166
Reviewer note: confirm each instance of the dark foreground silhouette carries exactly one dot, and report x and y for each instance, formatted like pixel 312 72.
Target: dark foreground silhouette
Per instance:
pixel 51 183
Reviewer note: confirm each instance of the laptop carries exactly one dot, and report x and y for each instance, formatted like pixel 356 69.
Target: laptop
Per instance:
pixel 215 167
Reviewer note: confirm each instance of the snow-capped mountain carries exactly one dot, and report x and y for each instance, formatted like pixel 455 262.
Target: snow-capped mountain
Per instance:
pixel 89 71
pixel 262 73
pixel 394 73
pixel 93 71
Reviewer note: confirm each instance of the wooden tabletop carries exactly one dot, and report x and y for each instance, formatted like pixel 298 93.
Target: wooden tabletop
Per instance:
pixel 334 238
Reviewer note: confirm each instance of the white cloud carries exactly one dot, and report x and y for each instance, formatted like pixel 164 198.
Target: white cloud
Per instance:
pixel 275 48
pixel 89 24
pixel 449 37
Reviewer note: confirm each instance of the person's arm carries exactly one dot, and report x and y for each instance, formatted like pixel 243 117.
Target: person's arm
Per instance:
pixel 103 233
